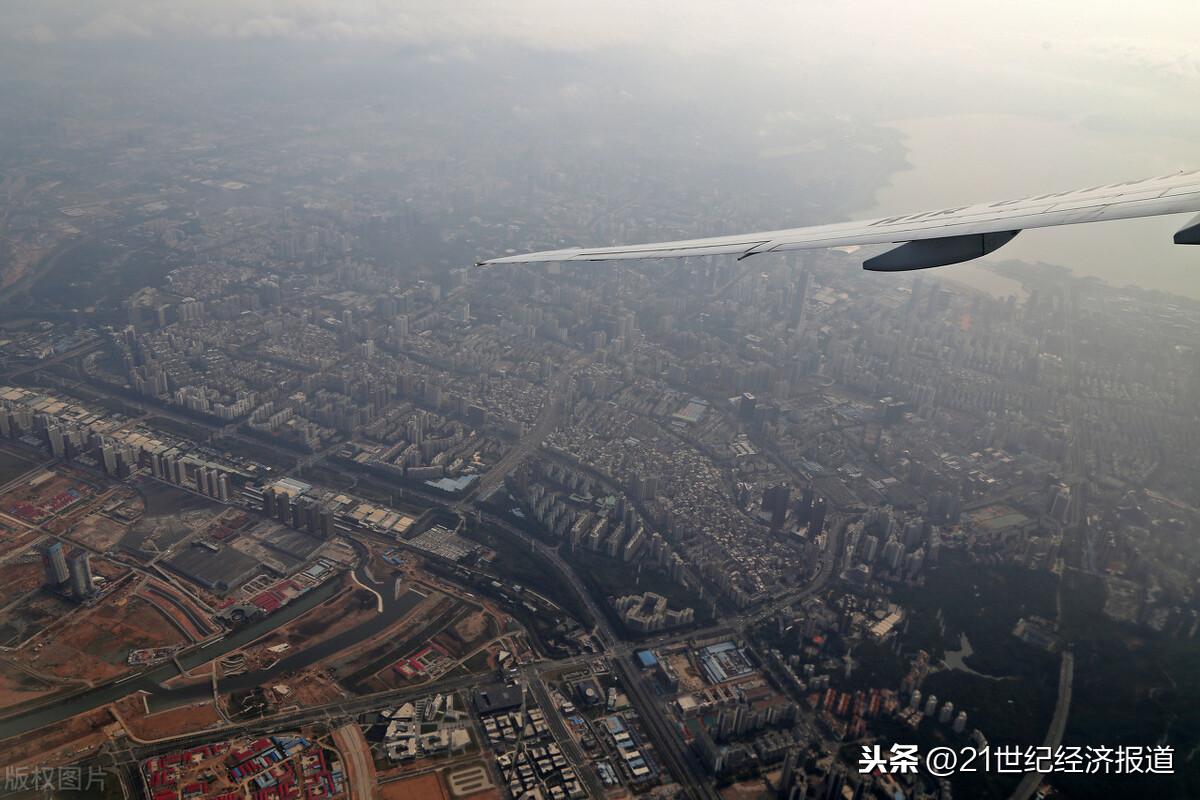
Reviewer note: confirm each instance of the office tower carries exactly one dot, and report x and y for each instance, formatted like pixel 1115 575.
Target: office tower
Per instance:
pixel 58 441
pixel 80 568
pixel 914 533
pixel 816 523
pixel 788 775
pixel 914 299
pixel 800 298
pixel 870 547
pixel 746 406
pixel 109 452
pixel 55 562
pixel 892 551
pixel 805 505
pixel 775 502
pixel 834 782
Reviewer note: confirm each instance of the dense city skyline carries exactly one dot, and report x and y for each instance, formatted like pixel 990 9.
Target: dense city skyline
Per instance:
pixel 296 501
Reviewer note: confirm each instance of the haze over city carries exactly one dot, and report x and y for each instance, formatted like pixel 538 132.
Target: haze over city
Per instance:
pixel 312 487
pixel 990 100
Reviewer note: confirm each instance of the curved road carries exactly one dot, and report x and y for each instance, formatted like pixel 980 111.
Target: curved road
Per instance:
pixel 1058 726
pixel 357 761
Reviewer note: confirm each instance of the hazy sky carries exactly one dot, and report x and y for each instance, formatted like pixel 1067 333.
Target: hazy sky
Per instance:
pixel 1080 91
pixel 1085 40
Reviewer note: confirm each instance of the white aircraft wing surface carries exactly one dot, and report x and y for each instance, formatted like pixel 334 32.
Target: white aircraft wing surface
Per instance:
pixel 931 238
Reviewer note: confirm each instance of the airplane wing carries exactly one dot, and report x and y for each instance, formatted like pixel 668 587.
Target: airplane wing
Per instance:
pixel 930 238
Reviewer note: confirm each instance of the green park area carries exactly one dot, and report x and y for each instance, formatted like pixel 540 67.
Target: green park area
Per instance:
pixel 1132 687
